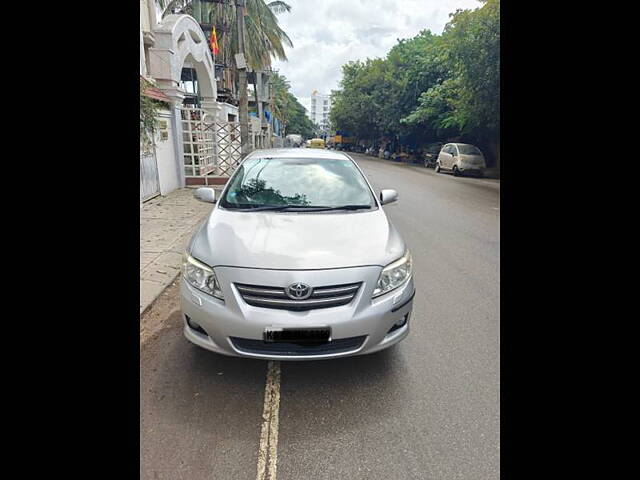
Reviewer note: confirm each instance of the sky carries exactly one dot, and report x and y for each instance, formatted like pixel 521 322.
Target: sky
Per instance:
pixel 328 33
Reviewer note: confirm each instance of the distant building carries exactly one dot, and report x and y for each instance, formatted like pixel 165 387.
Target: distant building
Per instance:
pixel 319 113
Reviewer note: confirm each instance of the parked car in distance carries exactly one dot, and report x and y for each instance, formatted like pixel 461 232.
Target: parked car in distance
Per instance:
pixel 293 140
pixel 297 261
pixel 316 143
pixel 461 158
pixel 431 154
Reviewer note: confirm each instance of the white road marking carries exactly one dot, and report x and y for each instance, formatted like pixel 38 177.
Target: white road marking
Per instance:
pixel 268 451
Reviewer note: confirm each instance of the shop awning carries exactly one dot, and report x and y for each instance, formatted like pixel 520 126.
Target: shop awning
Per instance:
pixel 150 91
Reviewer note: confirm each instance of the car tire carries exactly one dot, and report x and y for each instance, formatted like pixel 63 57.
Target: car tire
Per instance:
pixel 456 172
pixel 437 168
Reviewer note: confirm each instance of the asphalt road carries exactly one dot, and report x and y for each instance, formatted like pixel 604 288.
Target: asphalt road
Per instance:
pixel 426 408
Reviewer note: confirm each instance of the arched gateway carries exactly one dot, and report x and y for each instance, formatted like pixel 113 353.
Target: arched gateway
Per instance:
pixel 180 43
pixel 180 39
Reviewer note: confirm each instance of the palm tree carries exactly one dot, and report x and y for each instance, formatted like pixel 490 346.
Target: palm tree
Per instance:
pixel 281 99
pixel 264 39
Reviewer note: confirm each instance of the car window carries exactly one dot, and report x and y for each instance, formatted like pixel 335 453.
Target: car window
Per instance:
pixel 293 181
pixel 469 150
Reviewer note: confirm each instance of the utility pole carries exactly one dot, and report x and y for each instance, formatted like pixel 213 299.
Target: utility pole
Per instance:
pixel 271 110
pixel 243 108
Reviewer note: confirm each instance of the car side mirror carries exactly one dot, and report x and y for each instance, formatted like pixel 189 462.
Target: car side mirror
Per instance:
pixel 205 194
pixel 388 196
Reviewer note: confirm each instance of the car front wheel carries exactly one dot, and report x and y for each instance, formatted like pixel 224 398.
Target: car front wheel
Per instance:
pixel 437 168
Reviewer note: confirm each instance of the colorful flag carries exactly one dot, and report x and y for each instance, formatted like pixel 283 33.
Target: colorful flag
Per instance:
pixel 214 41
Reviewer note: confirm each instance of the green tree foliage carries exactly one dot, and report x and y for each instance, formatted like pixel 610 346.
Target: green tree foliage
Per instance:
pixel 469 99
pixel 287 108
pixel 149 108
pixel 375 95
pixel 430 87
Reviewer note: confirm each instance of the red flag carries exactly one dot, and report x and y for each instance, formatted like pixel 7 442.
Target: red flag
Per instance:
pixel 214 41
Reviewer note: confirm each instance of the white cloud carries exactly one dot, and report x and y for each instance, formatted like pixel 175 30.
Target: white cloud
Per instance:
pixel 328 33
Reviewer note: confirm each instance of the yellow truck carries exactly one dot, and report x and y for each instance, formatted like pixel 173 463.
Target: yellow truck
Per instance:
pixel 342 142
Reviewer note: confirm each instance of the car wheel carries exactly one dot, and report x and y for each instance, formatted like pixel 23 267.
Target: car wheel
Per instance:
pixel 456 172
pixel 437 169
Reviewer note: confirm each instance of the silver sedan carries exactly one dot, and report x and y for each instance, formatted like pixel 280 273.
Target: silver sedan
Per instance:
pixel 297 261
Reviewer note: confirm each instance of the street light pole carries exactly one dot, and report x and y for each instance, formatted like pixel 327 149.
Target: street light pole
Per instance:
pixel 243 108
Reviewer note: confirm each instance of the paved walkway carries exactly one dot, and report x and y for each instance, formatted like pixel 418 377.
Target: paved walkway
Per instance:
pixel 166 225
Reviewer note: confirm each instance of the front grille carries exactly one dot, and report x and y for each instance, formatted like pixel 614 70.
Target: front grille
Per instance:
pixel 275 297
pixel 340 345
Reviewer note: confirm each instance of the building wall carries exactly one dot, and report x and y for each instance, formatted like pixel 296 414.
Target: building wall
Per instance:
pixel 225 110
pixel 143 59
pixel 320 107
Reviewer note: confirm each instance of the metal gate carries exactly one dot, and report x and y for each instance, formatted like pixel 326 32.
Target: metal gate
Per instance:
pixel 227 136
pixel 149 181
pixel 210 148
pixel 198 142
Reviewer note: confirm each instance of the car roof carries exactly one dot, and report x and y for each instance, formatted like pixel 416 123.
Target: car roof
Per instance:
pixel 299 153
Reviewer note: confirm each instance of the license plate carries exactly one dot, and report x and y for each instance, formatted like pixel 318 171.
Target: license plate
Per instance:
pixel 290 335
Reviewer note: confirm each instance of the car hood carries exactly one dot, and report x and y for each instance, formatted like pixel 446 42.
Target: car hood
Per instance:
pixel 296 241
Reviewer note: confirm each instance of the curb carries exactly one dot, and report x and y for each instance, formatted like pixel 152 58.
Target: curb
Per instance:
pixel 155 299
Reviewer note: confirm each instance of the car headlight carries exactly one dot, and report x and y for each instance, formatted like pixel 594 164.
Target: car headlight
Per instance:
pixel 201 276
pixel 394 275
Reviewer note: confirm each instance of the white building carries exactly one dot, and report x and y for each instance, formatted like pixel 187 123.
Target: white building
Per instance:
pixel 320 107
pixel 175 57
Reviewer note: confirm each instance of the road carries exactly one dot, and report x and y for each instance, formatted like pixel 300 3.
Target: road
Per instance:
pixel 426 408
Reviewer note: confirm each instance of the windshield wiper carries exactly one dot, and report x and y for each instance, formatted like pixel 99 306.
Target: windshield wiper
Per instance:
pixel 305 208
pixel 341 207
pixel 265 207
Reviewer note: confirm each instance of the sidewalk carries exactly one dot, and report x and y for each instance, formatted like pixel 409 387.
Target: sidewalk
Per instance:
pixel 166 225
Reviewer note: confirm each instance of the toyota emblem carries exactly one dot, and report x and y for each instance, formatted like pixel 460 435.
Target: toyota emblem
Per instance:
pixel 298 291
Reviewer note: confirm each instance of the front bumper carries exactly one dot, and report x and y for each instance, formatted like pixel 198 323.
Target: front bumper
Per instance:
pixel 233 318
pixel 471 169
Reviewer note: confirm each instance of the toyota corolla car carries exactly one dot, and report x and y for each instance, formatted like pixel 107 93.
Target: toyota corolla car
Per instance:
pixel 297 261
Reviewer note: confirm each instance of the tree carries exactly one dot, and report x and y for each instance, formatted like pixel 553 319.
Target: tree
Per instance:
pixel 469 99
pixel 375 95
pixel 429 87
pixel 264 39
pixel 287 108
pixel 356 106
pixel 298 121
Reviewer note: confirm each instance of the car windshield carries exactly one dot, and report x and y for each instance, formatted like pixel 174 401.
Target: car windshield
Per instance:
pixel 468 150
pixel 301 183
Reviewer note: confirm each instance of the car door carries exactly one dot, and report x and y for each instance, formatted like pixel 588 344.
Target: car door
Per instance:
pixel 454 157
pixel 443 156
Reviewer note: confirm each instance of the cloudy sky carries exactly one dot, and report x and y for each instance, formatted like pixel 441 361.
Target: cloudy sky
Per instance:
pixel 328 33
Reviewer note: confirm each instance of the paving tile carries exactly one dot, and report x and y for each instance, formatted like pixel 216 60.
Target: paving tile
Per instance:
pixel 149 291
pixel 166 226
